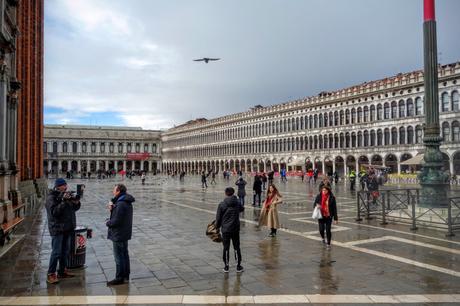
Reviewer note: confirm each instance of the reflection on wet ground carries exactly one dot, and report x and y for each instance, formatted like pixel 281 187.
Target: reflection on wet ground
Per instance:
pixel 170 255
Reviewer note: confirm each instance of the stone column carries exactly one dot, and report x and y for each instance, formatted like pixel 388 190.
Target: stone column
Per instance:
pixel 451 165
pixel 124 165
pixel 106 165
pixel 142 165
pixel 3 123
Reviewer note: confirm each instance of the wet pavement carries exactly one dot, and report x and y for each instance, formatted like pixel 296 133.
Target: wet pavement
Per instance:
pixel 172 257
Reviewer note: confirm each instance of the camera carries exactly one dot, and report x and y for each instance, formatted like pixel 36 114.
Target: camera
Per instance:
pixel 70 196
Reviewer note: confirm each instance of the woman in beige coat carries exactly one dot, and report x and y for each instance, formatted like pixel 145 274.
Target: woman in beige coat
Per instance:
pixel 269 213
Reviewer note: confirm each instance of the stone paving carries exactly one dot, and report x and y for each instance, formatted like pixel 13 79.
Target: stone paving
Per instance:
pixel 171 256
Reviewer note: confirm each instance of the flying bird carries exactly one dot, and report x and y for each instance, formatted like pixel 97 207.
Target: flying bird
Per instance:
pixel 206 59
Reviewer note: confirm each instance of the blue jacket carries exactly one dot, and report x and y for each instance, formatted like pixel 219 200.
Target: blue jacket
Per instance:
pixel 121 218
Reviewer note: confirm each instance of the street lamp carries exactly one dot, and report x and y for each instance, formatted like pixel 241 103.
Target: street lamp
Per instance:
pixel 434 182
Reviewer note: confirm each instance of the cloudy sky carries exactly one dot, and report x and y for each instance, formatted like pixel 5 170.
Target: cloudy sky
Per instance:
pixel 118 62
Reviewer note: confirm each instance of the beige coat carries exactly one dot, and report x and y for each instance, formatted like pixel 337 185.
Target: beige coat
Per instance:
pixel 269 217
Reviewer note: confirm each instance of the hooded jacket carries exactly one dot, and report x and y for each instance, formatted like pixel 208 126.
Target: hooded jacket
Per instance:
pixel 61 213
pixel 121 218
pixel 228 215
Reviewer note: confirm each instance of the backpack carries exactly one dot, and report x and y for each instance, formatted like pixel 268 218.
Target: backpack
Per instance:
pixel 213 233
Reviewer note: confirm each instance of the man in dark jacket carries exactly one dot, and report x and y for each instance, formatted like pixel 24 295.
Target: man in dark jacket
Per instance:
pixel 60 209
pixel 228 221
pixel 120 230
pixel 257 188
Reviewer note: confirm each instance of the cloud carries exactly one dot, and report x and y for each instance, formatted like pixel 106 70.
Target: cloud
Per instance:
pixel 135 58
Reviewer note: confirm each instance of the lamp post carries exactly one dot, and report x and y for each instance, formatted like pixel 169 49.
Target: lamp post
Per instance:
pixel 433 180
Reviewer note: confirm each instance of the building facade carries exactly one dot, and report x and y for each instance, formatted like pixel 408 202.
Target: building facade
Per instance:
pixel 379 122
pixel 83 149
pixel 21 105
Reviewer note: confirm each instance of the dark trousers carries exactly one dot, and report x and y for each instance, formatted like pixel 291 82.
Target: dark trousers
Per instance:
pixel 258 195
pixel 121 254
pixel 235 238
pixel 60 245
pixel 325 224
pixel 241 198
pixel 204 184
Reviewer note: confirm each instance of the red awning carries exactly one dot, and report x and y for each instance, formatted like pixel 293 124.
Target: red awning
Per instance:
pixel 137 156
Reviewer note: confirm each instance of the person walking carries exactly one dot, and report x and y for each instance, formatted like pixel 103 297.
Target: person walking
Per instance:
pixel 325 201
pixel 213 178
pixel 271 174
pixel 228 222
pixel 269 214
pixel 203 180
pixel 143 178
pixel 241 183
pixel 373 187
pixel 257 188
pixel 352 177
pixel 120 228
pixel 315 175
pixel 60 209
pixel 335 177
pixel 264 181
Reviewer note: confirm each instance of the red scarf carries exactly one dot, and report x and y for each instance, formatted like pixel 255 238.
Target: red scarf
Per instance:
pixel 325 205
pixel 268 201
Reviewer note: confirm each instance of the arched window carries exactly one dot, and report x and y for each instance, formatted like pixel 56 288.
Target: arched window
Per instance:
pixel 366 114
pixel 394 110
pixel 386 137
pixel 310 120
pixel 386 114
pixel 418 134
pixel 315 120
pixel 410 108
pixel 360 115
pixel 353 140
pixel 326 120
pixel 342 117
pixel 402 135
pixel 120 147
pixel 455 131
pixel 445 102
pixel 336 118
pixel 379 137
pixel 336 141
pixel 410 135
pixel 455 101
pixel 83 147
pixel 379 112
pixel 93 147
pixel 446 132
pixel 347 116
pixel 74 147
pixel 45 147
pixel 64 147
pixel 360 140
pixel 402 109
pixel 373 138
pixel 129 147
pixel 55 147
pixel 102 147
pixel 320 118
pixel 353 115
pixel 394 136
pixel 146 147
pixel 372 113
pixel 331 119
pixel 418 106
pixel 366 138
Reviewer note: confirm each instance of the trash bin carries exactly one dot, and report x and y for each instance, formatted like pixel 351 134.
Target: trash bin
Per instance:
pixel 80 189
pixel 77 256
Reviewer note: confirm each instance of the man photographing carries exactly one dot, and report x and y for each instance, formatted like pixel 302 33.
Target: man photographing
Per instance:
pixel 61 206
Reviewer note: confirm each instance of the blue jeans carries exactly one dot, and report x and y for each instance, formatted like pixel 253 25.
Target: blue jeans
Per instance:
pixel 60 245
pixel 241 200
pixel 121 254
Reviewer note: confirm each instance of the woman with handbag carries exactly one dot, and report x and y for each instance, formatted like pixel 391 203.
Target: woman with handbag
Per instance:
pixel 269 213
pixel 325 201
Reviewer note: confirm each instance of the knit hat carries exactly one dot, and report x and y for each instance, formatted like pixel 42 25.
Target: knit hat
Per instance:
pixel 59 182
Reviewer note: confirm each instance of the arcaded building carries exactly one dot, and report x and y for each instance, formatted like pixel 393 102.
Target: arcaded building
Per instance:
pixel 379 122
pixel 82 148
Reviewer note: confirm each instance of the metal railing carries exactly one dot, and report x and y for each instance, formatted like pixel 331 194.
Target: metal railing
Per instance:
pixel 405 202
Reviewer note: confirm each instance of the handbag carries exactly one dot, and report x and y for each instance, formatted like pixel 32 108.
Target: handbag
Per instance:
pixel 317 213
pixel 213 232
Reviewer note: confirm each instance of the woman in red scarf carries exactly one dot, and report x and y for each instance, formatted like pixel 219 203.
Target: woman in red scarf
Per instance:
pixel 269 213
pixel 325 201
